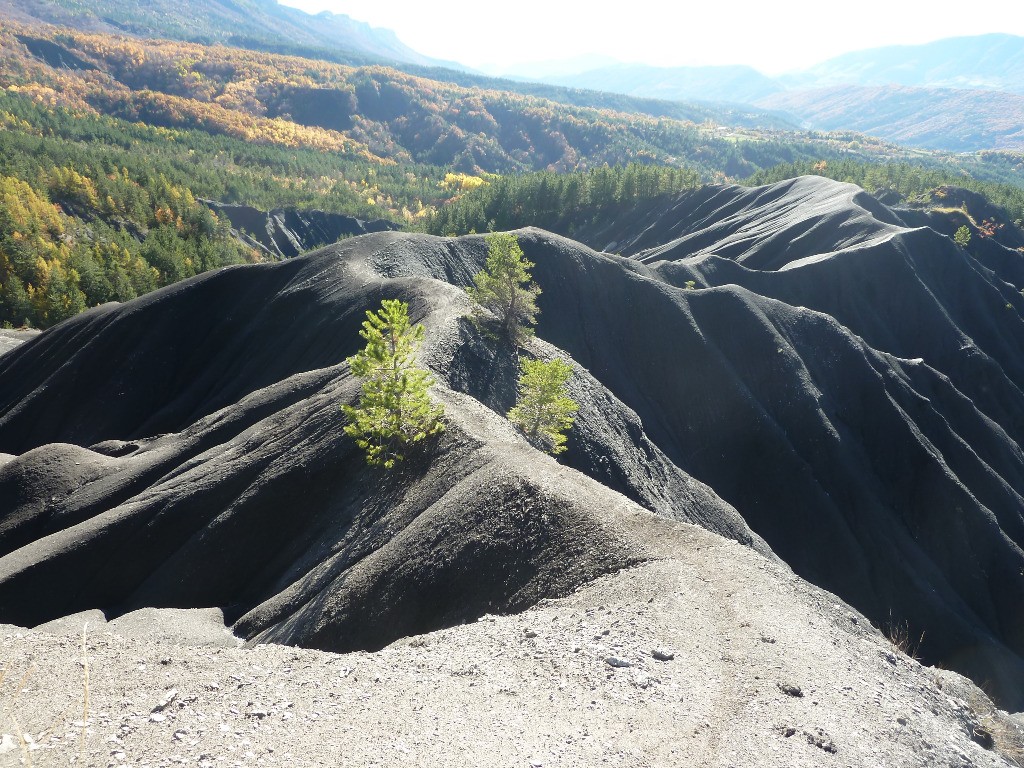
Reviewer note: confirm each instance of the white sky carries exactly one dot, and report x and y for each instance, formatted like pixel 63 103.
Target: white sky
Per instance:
pixel 771 36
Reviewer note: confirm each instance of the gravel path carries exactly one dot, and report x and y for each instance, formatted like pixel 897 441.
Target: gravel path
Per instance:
pixel 756 668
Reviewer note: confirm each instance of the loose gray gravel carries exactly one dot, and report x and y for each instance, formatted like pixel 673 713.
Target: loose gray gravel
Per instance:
pixel 9 339
pixel 735 634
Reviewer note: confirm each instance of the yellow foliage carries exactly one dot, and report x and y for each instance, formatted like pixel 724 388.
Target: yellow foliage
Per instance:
pixel 29 213
pixel 70 183
pixel 42 270
pixel 9 121
pixel 71 98
pixel 461 182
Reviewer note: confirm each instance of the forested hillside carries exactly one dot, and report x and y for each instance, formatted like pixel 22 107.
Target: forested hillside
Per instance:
pixel 381 115
pixel 372 112
pixel 109 142
pixel 98 209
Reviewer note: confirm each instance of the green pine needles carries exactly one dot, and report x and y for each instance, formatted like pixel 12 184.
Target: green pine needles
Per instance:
pixel 505 289
pixel 544 412
pixel 394 411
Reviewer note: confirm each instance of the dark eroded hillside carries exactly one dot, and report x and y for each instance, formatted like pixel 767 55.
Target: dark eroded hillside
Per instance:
pixel 789 366
pixel 286 232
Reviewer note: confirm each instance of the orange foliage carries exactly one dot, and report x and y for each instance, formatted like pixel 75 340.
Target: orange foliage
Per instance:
pixel 988 228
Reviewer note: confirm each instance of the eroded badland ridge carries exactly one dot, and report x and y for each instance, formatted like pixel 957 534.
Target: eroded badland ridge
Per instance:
pixel 792 367
pixel 788 528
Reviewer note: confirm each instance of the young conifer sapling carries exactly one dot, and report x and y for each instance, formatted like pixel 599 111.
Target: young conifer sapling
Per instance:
pixel 504 287
pixel 544 412
pixel 394 411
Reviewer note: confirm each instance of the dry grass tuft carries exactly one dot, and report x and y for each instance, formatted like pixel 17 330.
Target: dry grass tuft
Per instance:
pixel 1006 734
pixel 899 635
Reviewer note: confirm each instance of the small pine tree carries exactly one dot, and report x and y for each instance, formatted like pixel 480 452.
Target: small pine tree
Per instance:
pixel 394 410
pixel 504 287
pixel 544 412
pixel 962 236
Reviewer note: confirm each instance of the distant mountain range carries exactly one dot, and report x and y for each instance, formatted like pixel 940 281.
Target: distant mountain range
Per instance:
pixel 932 118
pixel 262 24
pixel 552 68
pixel 983 62
pixel 958 94
pixel 738 84
pixel 989 62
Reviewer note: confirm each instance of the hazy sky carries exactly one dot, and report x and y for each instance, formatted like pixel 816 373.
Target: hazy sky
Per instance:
pixel 771 36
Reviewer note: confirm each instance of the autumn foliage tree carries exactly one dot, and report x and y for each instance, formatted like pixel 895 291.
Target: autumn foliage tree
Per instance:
pixel 394 411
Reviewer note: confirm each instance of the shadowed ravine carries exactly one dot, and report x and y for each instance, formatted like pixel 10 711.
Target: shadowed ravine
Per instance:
pixel 838 387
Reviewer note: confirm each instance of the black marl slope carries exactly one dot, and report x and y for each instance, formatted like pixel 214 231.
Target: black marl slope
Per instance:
pixel 201 461
pixel 850 385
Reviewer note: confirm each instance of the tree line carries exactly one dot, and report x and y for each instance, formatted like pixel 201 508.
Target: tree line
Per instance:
pixel 95 209
pixel 558 202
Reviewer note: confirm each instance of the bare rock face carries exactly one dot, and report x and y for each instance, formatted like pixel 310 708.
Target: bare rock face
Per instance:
pixel 791 367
